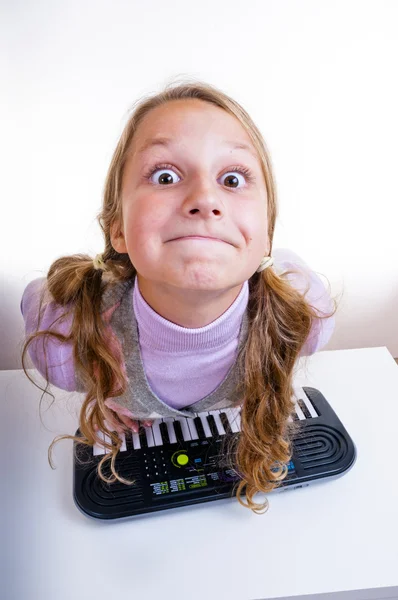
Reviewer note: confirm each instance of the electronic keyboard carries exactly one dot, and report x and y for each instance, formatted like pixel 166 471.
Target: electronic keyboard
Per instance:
pixel 182 461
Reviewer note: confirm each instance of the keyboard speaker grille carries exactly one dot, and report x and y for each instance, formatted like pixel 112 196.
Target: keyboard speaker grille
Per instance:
pixel 320 445
pixel 116 494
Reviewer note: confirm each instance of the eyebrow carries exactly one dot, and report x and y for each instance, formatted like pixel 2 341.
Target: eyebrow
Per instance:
pixel 166 142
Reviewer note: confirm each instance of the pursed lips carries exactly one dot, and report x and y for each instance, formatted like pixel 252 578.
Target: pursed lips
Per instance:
pixel 197 237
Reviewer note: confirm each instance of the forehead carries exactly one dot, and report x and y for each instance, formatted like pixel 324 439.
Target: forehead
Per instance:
pixel 180 122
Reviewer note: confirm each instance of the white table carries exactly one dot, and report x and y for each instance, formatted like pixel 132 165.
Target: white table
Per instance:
pixel 329 538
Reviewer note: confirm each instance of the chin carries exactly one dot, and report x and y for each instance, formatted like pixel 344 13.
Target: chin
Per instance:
pixel 205 279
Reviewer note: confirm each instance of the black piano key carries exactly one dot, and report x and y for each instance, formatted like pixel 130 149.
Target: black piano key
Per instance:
pixel 129 440
pixel 142 434
pixel 178 431
pixel 304 408
pixel 164 433
pixel 213 426
pixel 199 428
pixel 225 422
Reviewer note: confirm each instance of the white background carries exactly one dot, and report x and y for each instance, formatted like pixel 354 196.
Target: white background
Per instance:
pixel 319 78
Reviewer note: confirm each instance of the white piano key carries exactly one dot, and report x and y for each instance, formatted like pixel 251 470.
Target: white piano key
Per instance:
pixel 205 424
pixel 236 413
pixel 170 428
pixel 300 394
pixel 108 441
pixel 99 449
pixel 294 399
pixel 136 441
pixel 185 429
pixel 149 437
pixel 231 420
pixel 156 432
pixel 299 412
pixel 192 429
pixel 224 410
pixel 123 447
pixel 219 425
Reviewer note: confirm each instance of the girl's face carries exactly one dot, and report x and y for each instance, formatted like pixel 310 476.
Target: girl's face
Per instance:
pixel 178 193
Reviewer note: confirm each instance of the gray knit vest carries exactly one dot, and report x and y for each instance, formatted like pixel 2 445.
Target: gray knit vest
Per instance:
pixel 138 397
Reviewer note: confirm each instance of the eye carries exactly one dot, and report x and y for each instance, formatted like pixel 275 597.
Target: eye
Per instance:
pixel 163 178
pixel 232 180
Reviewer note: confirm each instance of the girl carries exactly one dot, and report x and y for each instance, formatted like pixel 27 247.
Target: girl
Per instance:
pixel 188 308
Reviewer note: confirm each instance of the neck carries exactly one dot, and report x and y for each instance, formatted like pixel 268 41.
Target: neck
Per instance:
pixel 187 308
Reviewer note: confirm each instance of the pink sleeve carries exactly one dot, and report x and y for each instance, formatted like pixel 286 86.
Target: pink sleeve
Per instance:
pixel 317 296
pixel 47 350
pixel 57 355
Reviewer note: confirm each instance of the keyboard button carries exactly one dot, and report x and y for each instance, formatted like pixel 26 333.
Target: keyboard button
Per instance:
pixel 123 447
pixel 192 429
pixel 143 438
pixel 149 437
pixel 300 394
pixel 207 430
pixel 178 431
pixel 236 412
pixel 213 426
pixel 306 412
pixel 232 419
pixel 109 441
pixel 298 410
pixel 136 441
pixel 220 426
pixel 185 429
pixel 157 436
pixel 98 448
pixel 225 422
pixel 170 427
pixel 164 433
pixel 199 428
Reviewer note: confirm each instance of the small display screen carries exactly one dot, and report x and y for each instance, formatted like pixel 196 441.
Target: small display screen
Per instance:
pixel 193 482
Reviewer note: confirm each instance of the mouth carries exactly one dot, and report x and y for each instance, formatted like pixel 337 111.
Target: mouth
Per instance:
pixel 197 237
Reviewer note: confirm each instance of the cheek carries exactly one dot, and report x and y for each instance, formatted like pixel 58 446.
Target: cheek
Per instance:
pixel 144 222
pixel 255 230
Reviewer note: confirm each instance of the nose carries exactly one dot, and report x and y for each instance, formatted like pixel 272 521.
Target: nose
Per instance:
pixel 202 197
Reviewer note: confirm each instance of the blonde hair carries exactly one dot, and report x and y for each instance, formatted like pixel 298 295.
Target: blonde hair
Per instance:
pixel 279 318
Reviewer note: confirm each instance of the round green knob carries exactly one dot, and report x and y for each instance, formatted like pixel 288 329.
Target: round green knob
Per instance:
pixel 182 459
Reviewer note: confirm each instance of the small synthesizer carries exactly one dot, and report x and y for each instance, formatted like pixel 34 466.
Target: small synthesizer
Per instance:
pixel 182 461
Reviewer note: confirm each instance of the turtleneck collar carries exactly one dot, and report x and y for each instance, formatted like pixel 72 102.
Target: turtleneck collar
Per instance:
pixel 158 333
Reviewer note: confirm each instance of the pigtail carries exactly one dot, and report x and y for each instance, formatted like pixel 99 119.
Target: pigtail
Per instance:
pixel 75 283
pixel 280 321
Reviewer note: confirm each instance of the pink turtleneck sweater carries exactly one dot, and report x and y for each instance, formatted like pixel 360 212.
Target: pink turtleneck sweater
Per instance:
pixel 182 365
